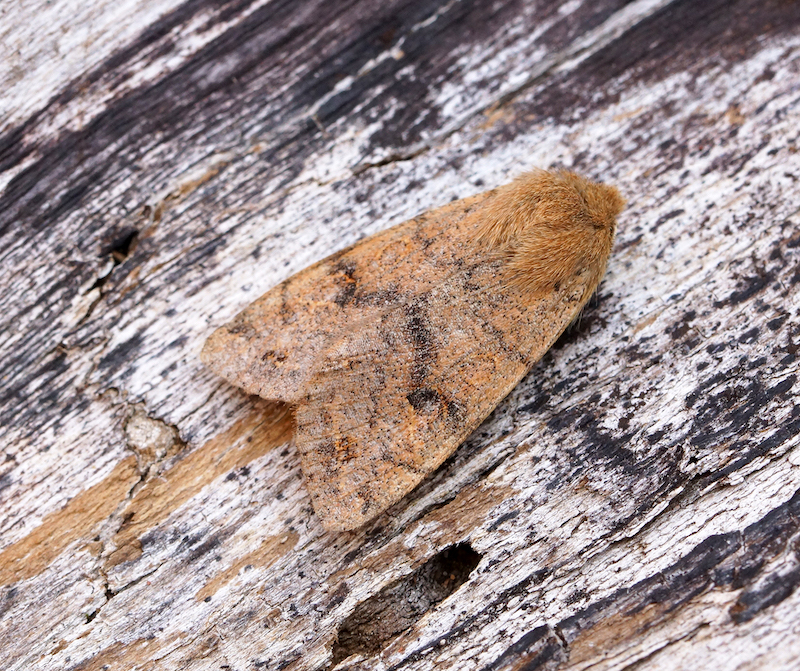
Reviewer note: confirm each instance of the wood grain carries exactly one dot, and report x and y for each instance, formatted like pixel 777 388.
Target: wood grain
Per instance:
pixel 633 501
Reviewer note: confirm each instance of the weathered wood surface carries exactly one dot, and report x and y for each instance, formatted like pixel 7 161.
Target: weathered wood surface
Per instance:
pixel 633 503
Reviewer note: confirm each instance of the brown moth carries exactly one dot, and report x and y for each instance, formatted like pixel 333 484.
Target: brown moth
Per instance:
pixel 394 350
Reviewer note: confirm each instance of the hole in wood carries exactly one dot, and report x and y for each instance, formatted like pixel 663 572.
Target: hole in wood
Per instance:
pixel 122 245
pixel 398 606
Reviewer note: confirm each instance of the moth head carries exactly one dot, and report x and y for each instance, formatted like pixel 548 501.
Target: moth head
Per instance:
pixel 550 227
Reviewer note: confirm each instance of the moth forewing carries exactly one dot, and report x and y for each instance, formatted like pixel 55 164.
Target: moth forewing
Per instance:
pixel 270 347
pixel 375 424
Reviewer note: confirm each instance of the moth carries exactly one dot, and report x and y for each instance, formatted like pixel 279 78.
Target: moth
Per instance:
pixel 395 349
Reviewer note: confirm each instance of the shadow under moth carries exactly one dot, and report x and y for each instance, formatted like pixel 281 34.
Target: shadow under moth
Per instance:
pixel 394 350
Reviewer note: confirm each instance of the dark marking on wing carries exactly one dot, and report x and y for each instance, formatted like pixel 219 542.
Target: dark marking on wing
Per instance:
pixel 425 401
